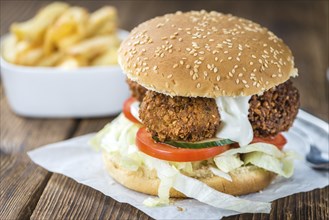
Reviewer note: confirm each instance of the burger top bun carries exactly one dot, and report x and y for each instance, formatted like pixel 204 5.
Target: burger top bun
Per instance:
pixel 205 54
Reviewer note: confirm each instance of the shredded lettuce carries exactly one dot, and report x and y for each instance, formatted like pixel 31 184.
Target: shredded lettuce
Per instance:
pixel 220 173
pixel 153 202
pixel 283 167
pixel 227 163
pixel 196 189
pixel 262 155
pixel 118 139
pixel 260 147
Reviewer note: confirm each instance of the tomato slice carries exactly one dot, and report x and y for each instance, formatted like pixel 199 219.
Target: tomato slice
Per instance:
pixel 279 140
pixel 126 110
pixel 147 145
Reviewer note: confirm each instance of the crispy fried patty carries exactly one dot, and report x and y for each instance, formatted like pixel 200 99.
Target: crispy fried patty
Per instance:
pixel 137 91
pixel 274 111
pixel 179 118
pixel 196 119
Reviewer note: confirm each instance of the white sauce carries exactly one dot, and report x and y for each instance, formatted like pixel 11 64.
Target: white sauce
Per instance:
pixel 134 110
pixel 234 119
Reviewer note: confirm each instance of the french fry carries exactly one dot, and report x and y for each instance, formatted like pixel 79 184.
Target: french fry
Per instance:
pixel 70 23
pixel 33 30
pixel 67 42
pixel 29 57
pixel 105 16
pixel 50 60
pixel 94 46
pixel 8 48
pixel 110 57
pixel 64 36
pixel 73 62
pixel 108 28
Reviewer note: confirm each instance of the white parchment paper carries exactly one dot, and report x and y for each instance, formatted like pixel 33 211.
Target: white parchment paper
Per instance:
pixel 74 158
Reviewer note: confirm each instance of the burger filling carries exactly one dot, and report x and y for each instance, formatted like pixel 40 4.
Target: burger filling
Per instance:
pixel 196 119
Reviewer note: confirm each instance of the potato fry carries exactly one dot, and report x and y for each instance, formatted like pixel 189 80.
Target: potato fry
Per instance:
pixel 73 62
pixel 50 60
pixel 70 23
pixel 110 57
pixel 8 48
pixel 67 42
pixel 33 30
pixel 29 57
pixel 105 16
pixel 94 46
pixel 64 36
pixel 108 28
pixel 16 51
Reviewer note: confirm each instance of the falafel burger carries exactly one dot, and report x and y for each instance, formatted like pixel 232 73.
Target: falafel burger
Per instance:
pixel 211 94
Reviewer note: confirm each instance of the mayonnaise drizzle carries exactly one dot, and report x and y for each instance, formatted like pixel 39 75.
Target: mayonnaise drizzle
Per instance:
pixel 134 110
pixel 234 124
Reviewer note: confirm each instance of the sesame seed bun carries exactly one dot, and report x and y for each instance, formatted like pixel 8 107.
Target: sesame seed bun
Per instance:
pixel 246 180
pixel 205 54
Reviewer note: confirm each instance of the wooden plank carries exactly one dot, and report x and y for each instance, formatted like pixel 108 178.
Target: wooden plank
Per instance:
pixel 63 198
pixel 309 205
pixel 20 134
pixel 22 182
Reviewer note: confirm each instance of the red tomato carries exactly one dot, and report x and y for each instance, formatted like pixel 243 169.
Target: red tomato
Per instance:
pixel 147 145
pixel 126 110
pixel 279 140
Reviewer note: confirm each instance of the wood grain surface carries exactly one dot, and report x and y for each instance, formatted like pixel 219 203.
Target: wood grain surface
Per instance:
pixel 29 191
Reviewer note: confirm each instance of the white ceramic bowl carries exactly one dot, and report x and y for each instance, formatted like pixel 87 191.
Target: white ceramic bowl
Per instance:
pixel 53 92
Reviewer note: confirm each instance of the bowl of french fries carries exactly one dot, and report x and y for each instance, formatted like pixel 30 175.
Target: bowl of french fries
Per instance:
pixel 63 63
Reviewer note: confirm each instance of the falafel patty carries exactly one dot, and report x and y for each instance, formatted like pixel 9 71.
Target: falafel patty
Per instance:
pixel 179 118
pixel 195 119
pixel 275 110
pixel 137 91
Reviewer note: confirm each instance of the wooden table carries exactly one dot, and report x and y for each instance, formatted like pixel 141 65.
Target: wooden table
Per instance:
pixel 28 191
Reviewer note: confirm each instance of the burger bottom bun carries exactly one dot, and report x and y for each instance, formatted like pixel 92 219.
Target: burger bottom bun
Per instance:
pixel 246 180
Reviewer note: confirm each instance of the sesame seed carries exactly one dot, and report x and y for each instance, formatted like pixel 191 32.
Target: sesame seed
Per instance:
pixel 198 85
pixel 169 76
pixel 175 65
